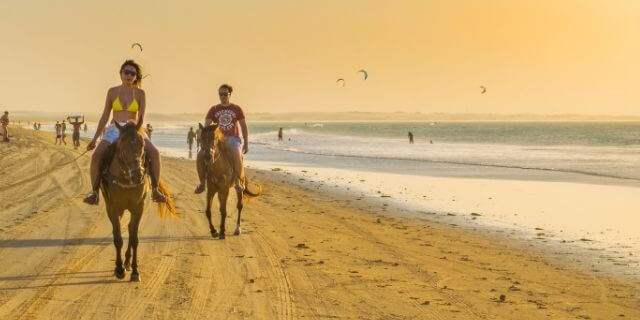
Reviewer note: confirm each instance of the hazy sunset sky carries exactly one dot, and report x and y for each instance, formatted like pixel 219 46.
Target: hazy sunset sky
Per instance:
pixel 543 56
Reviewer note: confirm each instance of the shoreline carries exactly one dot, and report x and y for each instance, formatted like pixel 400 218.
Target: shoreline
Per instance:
pixel 304 251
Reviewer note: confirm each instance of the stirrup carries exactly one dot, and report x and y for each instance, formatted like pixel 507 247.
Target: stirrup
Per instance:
pixel 199 189
pixel 93 198
pixel 157 196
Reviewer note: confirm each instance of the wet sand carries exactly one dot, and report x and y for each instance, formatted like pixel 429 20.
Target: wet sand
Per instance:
pixel 302 254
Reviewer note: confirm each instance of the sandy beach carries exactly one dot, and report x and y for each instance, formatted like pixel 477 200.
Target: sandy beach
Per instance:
pixel 302 254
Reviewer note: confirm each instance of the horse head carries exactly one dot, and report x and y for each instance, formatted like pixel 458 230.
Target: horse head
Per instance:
pixel 208 140
pixel 130 151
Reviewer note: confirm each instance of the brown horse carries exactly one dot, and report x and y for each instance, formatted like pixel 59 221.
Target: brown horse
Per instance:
pixel 125 187
pixel 220 177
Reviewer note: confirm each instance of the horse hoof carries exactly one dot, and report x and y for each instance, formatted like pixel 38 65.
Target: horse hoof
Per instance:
pixel 127 266
pixel 119 273
pixel 221 236
pixel 214 233
pixel 237 232
pixel 135 277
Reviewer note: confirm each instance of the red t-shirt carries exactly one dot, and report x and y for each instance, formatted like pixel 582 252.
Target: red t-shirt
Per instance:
pixel 227 118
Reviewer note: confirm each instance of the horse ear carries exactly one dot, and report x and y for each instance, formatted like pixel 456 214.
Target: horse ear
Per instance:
pixel 118 125
pixel 139 124
pixel 200 126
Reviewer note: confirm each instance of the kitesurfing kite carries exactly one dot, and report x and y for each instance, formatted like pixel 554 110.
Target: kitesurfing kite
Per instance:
pixel 137 44
pixel 364 72
pixel 146 75
pixel 343 82
pixel 483 89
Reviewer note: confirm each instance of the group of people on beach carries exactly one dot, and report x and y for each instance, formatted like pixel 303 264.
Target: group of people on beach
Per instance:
pixel 127 103
pixel 61 129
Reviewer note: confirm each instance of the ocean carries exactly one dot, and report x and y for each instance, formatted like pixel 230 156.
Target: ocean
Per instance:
pixel 574 180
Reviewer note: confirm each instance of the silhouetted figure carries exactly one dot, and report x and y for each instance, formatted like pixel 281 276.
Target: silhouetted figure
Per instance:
pixel 191 135
pixel 410 137
pixel 280 134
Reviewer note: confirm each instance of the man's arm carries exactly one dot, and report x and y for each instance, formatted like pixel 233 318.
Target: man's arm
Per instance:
pixel 245 136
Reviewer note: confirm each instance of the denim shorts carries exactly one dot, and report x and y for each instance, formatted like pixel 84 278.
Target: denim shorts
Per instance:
pixel 111 133
pixel 233 142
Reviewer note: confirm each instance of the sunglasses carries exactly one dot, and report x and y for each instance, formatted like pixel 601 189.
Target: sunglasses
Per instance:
pixel 129 73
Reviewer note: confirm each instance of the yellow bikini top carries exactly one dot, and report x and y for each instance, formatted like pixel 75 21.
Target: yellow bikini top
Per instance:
pixel 133 106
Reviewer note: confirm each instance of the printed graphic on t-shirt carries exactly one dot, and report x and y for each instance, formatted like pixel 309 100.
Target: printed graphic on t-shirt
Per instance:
pixel 225 119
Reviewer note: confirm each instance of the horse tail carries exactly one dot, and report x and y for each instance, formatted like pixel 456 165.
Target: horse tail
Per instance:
pixel 166 208
pixel 246 194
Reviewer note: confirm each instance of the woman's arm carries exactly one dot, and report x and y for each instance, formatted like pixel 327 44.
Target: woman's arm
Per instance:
pixel 143 107
pixel 106 113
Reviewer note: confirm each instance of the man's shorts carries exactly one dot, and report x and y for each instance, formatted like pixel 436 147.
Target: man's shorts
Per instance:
pixel 76 136
pixel 233 142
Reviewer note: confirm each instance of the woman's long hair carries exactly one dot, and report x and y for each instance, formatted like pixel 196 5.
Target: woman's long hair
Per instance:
pixel 138 81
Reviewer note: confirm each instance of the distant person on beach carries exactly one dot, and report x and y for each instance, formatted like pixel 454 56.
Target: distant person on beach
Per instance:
pixel 4 122
pixel 39 124
pixel 85 126
pixel 280 134
pixel 126 102
pixel 64 132
pixel 191 135
pixel 410 137
pixel 76 132
pixel 228 117
pixel 149 130
pixel 198 137
pixel 58 128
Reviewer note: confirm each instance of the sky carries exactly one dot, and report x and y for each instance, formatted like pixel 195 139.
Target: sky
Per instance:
pixel 537 57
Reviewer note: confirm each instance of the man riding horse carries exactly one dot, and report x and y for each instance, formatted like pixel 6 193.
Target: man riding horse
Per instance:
pixel 227 116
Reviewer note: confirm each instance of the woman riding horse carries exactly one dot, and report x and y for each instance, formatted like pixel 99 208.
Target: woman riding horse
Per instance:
pixel 126 102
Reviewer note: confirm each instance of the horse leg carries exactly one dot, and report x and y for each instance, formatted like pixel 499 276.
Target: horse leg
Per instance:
pixel 222 197
pixel 239 207
pixel 127 254
pixel 117 241
pixel 210 194
pixel 134 224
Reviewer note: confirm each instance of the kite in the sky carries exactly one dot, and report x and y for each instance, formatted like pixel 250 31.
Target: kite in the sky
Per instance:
pixel 343 82
pixel 364 72
pixel 146 75
pixel 483 89
pixel 138 45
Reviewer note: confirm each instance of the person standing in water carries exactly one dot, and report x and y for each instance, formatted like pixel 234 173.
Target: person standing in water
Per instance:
pixel 76 132
pixel 191 135
pixel 198 137
pixel 280 134
pixel 410 137
pixel 228 117
pixel 127 102
pixel 85 126
pixel 149 130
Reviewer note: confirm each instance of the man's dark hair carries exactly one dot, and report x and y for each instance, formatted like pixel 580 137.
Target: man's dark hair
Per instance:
pixel 226 86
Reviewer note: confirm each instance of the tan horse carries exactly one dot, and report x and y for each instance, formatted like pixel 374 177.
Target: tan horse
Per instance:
pixel 125 187
pixel 220 178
